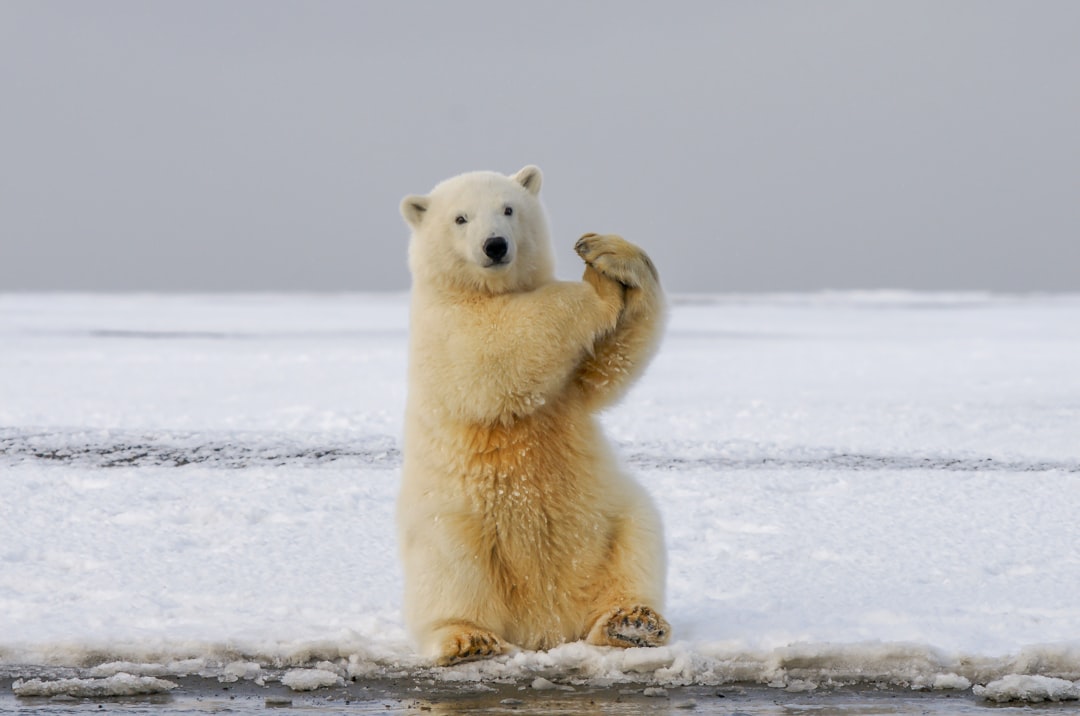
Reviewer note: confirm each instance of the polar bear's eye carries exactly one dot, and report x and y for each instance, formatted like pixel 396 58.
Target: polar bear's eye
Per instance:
pixel 508 211
pixel 460 219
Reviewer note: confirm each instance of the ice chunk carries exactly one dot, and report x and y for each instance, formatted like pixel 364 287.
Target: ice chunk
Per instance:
pixel 237 670
pixel 116 685
pixel 1032 689
pixel 950 681
pixel 311 679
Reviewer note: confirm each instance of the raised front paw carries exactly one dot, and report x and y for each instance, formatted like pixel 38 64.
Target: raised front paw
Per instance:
pixel 638 625
pixel 465 642
pixel 617 259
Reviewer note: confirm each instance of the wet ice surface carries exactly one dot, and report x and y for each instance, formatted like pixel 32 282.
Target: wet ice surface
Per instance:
pixel 865 490
pixel 407 697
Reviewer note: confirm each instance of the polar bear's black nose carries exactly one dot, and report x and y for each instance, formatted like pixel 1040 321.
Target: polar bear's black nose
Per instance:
pixel 495 248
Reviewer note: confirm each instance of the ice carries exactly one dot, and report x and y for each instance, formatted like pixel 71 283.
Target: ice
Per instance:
pixel 646 660
pixel 117 685
pixel 311 679
pixel 856 488
pixel 237 670
pixel 947 682
pixel 1033 689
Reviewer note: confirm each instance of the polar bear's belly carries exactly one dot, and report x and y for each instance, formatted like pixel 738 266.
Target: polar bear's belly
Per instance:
pixel 531 517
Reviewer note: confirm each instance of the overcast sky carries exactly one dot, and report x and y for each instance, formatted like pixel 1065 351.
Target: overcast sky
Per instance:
pixel 749 146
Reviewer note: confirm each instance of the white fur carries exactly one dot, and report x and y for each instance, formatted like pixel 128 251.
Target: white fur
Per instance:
pixel 452 255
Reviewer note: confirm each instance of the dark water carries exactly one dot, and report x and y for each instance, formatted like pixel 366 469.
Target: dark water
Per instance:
pixel 207 696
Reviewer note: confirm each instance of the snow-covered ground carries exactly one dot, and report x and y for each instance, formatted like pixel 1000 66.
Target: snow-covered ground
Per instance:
pixel 857 488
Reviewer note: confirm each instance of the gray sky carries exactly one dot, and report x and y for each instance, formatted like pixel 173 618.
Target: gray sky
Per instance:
pixel 749 146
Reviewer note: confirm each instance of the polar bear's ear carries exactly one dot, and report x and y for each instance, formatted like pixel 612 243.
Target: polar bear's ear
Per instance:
pixel 530 178
pixel 413 208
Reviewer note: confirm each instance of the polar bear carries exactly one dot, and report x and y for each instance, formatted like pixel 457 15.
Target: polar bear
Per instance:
pixel 516 525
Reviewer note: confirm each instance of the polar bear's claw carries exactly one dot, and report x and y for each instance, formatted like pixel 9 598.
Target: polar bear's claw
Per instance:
pixel 581 247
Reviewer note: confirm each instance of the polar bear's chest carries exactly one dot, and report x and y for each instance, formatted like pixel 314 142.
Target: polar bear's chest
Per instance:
pixel 518 462
pixel 524 481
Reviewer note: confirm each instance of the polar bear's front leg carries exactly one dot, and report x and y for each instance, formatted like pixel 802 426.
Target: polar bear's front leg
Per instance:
pixel 612 263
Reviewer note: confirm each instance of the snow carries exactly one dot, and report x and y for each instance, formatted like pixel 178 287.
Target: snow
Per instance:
pixel 875 488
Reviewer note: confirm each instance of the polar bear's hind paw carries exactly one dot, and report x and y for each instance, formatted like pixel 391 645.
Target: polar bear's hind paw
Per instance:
pixel 468 643
pixel 629 627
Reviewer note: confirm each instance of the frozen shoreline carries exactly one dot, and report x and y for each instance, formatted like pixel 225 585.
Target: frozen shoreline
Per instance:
pixel 190 694
pixel 858 489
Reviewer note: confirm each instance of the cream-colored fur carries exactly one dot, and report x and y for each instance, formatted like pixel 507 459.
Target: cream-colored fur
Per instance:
pixel 516 524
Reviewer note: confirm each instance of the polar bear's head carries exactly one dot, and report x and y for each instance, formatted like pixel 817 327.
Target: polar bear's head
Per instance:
pixel 481 231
